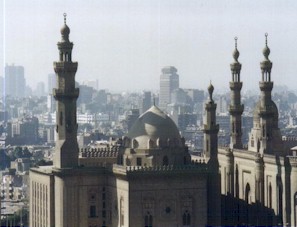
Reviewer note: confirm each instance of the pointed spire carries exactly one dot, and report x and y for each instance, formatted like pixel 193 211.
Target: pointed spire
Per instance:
pixel 210 91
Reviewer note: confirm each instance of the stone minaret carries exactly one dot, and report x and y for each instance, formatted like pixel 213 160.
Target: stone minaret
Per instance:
pixel 211 130
pixel 265 136
pixel 235 108
pixel 66 153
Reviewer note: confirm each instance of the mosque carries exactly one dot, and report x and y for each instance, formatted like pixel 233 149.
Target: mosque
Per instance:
pixel 152 180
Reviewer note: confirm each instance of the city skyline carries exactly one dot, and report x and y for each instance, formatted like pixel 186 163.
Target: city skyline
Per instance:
pixel 130 41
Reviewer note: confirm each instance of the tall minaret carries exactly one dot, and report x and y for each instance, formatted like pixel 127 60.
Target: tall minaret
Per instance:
pixel 235 108
pixel 211 129
pixel 265 136
pixel 66 153
pixel 210 144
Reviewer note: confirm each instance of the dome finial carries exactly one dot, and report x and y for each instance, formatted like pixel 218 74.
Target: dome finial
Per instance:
pixel 65 15
pixel 266 50
pixel 266 34
pixel 235 52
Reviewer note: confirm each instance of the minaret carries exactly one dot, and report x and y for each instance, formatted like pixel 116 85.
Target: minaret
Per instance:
pixel 211 129
pixel 210 144
pixel 265 136
pixel 66 152
pixel 235 108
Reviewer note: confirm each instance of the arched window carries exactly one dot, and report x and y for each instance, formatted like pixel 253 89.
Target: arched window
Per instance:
pixel 165 161
pixel 186 219
pixel 148 220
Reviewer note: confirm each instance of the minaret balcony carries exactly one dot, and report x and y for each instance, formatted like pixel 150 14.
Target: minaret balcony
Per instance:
pixel 64 67
pixel 235 86
pixel 238 109
pixel 62 93
pixel 266 85
pixel 211 128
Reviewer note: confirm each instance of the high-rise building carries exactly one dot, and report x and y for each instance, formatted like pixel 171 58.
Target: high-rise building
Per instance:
pixel 51 82
pixel 40 89
pixel 146 101
pixel 169 81
pixel 15 83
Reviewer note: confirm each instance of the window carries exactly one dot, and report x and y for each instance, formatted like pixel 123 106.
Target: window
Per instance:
pixel 165 161
pixel 148 220
pixel 138 161
pixel 270 196
pixel 247 193
pixel 92 211
pixel 186 218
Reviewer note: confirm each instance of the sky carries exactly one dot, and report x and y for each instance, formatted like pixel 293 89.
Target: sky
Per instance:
pixel 125 43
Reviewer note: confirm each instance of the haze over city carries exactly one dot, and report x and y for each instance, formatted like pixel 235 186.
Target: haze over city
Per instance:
pixel 124 44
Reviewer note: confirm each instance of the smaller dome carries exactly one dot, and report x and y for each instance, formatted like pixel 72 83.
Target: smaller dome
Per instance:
pixel 235 52
pixel 266 52
pixel 65 31
pixel 236 55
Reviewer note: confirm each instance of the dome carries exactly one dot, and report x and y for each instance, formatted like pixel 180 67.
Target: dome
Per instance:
pixel 65 30
pixel 154 126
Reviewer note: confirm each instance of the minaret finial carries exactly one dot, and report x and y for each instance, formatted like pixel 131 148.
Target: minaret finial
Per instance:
pixel 266 50
pixel 266 34
pixel 235 52
pixel 210 91
pixel 65 15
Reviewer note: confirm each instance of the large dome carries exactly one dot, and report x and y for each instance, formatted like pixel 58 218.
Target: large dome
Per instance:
pixel 154 126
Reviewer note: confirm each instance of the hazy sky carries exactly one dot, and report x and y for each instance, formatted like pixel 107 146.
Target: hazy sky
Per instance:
pixel 125 43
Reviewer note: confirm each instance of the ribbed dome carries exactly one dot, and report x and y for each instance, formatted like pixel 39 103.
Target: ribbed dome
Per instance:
pixel 154 125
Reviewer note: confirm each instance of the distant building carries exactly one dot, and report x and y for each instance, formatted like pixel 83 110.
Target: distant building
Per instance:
pixel 146 101
pixel 169 81
pixel 15 83
pixel 40 89
pixel 51 82
pixel 23 131
pixel 132 116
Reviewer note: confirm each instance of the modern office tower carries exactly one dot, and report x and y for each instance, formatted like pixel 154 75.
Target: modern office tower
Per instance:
pixel 169 81
pixel 51 81
pixel 40 89
pixel 146 101
pixel 15 83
